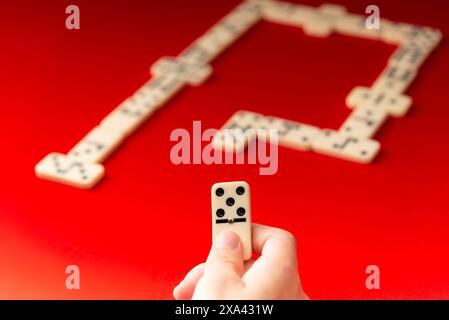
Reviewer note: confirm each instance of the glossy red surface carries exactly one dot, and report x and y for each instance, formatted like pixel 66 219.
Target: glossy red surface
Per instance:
pixel 148 222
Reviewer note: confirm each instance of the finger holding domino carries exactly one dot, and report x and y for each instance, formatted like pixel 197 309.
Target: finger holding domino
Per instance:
pixel 231 210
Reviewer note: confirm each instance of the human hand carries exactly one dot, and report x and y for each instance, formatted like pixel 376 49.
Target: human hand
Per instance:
pixel 274 275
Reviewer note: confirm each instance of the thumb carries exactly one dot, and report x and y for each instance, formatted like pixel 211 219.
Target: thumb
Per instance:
pixel 222 278
pixel 226 256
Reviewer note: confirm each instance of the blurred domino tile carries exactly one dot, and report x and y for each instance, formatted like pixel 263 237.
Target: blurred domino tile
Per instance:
pixel 82 166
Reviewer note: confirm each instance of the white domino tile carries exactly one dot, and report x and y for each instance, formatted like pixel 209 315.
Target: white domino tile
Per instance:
pixel 199 52
pixel 397 33
pixel 395 79
pixel 247 119
pixel 394 104
pixel 231 211
pixel 405 33
pixel 291 134
pixel 146 99
pixel 416 50
pixel 332 10
pixel 223 34
pixel 193 74
pixel 163 88
pixel 355 25
pixel 231 140
pixel 68 170
pixel 428 38
pixel 323 22
pixel 237 132
pixel 335 144
pixel 299 137
pixel 409 56
pixel 97 145
pixel 126 118
pixel 288 13
pixel 364 122
pixel 207 47
pixel 318 26
pixel 242 18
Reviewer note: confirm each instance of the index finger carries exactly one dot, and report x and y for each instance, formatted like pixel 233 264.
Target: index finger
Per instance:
pixel 274 243
pixel 278 263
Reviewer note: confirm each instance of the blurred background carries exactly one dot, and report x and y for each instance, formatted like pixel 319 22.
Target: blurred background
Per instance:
pixel 137 233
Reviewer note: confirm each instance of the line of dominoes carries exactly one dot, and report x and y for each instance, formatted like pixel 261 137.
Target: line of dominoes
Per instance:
pixel 372 106
pixel 295 135
pixel 82 166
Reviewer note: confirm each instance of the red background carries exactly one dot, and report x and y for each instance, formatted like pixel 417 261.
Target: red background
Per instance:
pixel 148 222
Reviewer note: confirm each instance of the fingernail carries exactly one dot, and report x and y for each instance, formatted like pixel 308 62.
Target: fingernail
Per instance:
pixel 227 240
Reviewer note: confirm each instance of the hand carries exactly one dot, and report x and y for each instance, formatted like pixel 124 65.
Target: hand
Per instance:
pixel 274 275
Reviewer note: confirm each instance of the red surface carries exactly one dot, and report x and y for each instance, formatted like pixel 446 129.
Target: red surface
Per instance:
pixel 148 222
